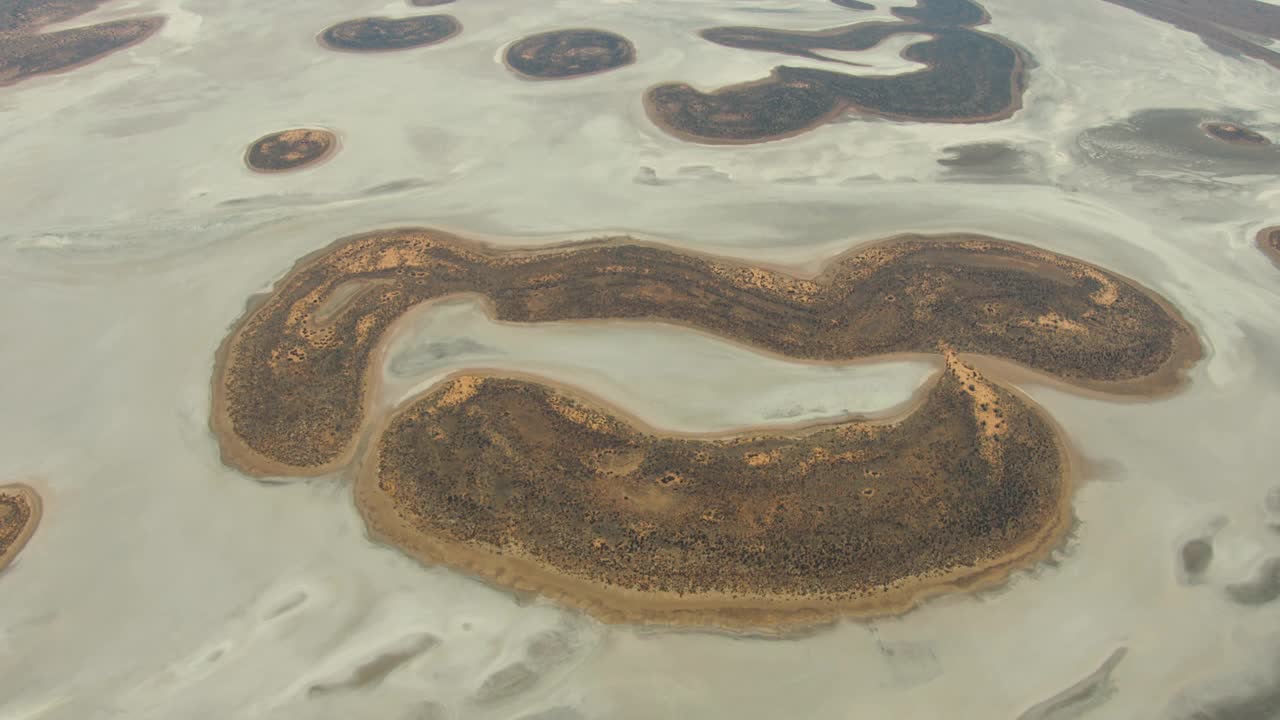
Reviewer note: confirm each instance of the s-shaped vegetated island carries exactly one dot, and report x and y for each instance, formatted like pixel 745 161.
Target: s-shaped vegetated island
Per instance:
pixel 539 488
pixel 25 51
pixel 290 389
pixel 1234 133
pixel 290 149
pixel 19 516
pixel 380 34
pixel 560 54
pixel 970 76
pixel 536 489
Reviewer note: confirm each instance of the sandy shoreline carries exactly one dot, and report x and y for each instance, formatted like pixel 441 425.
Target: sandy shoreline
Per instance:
pixel 1268 241
pixel 27 494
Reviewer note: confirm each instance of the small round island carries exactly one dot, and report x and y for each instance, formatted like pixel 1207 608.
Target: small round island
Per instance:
pixel 562 54
pixel 1234 133
pixel 290 149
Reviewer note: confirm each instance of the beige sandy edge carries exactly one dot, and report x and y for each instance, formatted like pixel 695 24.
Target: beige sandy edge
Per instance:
pixel 32 497
pixel 757 614
pixel 1169 378
pixel 1271 251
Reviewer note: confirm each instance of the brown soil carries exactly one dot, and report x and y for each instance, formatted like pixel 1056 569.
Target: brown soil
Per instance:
pixel 25 51
pixel 290 149
pixel 20 511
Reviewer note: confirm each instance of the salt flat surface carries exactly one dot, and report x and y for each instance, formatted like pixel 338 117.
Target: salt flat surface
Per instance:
pixel 713 386
pixel 163 585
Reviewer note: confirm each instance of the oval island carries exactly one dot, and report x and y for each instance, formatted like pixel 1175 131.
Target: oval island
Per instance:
pixel 562 54
pixel 290 149
pixel 1234 133
pixel 381 34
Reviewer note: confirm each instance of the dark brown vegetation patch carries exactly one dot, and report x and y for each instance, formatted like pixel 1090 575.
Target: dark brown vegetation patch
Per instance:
pixel 378 34
pixel 833 515
pixel 25 51
pixel 569 53
pixel 19 515
pixel 1231 27
pixel 290 388
pixel 970 77
pixel 1234 133
pixel 289 149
